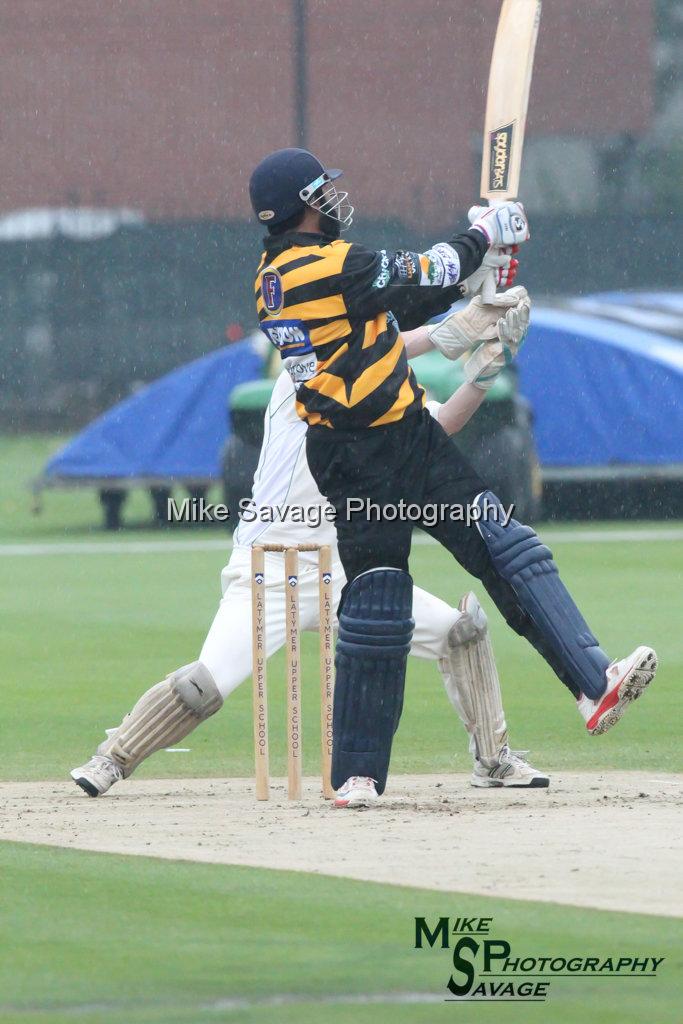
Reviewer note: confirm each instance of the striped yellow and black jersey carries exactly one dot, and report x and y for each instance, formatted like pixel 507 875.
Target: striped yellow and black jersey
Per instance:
pixel 334 310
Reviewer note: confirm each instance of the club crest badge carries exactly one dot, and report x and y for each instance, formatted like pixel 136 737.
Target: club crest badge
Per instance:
pixel 258 578
pixel 292 580
pixel 327 577
pixel 272 291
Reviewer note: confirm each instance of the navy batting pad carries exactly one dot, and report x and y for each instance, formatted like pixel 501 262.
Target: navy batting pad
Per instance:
pixel 528 566
pixel 375 630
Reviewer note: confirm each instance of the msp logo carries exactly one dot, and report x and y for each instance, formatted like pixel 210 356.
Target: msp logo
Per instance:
pixel 292 580
pixel 272 291
pixel 482 966
pixel 259 578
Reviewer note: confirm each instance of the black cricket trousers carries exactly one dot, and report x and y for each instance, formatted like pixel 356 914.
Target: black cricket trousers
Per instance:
pixel 415 461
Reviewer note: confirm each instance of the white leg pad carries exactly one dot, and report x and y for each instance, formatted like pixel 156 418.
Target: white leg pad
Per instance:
pixel 471 680
pixel 164 715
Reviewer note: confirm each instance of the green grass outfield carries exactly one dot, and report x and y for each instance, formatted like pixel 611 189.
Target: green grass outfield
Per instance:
pixel 113 939
pixel 83 634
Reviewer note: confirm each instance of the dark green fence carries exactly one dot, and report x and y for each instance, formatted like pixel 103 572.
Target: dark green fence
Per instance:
pixel 81 323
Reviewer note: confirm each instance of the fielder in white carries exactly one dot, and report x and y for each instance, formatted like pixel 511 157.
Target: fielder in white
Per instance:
pixel 456 638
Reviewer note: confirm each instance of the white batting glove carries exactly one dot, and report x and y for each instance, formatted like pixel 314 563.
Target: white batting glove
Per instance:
pixel 504 267
pixel 492 356
pixel 464 329
pixel 504 224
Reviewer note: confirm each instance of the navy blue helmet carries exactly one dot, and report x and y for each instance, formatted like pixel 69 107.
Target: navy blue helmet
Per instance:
pixel 288 181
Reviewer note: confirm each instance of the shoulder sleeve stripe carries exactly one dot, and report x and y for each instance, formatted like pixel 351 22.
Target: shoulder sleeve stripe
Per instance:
pixel 318 271
pixel 299 261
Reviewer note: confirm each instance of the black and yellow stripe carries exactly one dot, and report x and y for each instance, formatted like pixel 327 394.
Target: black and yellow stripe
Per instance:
pixel 362 377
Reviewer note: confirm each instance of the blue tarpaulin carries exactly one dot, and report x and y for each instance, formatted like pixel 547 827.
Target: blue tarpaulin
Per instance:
pixel 174 428
pixel 602 393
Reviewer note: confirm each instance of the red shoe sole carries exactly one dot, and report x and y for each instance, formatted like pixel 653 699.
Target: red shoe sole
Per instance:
pixel 634 683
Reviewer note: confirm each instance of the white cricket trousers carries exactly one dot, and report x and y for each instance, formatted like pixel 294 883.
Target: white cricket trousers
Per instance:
pixel 227 648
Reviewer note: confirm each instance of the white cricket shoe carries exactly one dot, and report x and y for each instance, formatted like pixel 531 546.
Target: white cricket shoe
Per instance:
pixel 98 775
pixel 511 770
pixel 357 792
pixel 626 680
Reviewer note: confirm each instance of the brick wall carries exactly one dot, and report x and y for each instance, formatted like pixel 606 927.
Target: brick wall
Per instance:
pixel 165 105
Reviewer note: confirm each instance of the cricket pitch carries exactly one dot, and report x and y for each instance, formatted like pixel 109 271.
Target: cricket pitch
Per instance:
pixel 609 840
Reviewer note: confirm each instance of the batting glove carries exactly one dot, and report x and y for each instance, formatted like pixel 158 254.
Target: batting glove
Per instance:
pixel 465 328
pixel 504 266
pixel 491 357
pixel 504 224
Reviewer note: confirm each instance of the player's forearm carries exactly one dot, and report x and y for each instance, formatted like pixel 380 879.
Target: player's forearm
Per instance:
pixel 471 247
pixel 417 342
pixel 444 264
pixel 460 407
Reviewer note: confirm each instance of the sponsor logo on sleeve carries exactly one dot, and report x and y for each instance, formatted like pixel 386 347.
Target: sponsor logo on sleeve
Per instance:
pixel 450 263
pixel 407 267
pixel 382 279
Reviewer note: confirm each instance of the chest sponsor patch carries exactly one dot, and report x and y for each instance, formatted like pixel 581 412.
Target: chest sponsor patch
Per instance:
pixel 272 291
pixel 301 368
pixel 290 337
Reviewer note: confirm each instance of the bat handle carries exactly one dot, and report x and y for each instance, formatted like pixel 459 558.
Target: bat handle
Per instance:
pixel 488 288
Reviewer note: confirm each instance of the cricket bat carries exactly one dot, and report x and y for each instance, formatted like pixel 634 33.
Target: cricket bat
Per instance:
pixel 506 105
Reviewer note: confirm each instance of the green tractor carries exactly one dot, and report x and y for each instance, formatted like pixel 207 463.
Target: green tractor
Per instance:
pixel 498 439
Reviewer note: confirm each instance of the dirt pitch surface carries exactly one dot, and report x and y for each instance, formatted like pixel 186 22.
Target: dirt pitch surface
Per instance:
pixel 610 840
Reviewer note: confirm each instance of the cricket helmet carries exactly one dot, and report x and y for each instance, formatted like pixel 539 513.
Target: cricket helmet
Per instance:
pixel 288 180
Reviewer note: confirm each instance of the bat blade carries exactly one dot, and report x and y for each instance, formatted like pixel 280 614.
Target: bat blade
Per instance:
pixel 508 98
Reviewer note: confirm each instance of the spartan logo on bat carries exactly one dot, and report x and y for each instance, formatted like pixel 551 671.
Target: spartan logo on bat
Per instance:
pixel 500 148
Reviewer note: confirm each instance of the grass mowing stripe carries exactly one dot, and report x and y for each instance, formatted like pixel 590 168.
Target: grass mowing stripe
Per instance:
pixel 140 940
pixel 82 638
pixel 578 535
pixel 236 1005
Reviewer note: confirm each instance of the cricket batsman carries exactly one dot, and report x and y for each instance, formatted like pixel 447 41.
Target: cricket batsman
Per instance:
pixel 336 310
pixel 457 639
